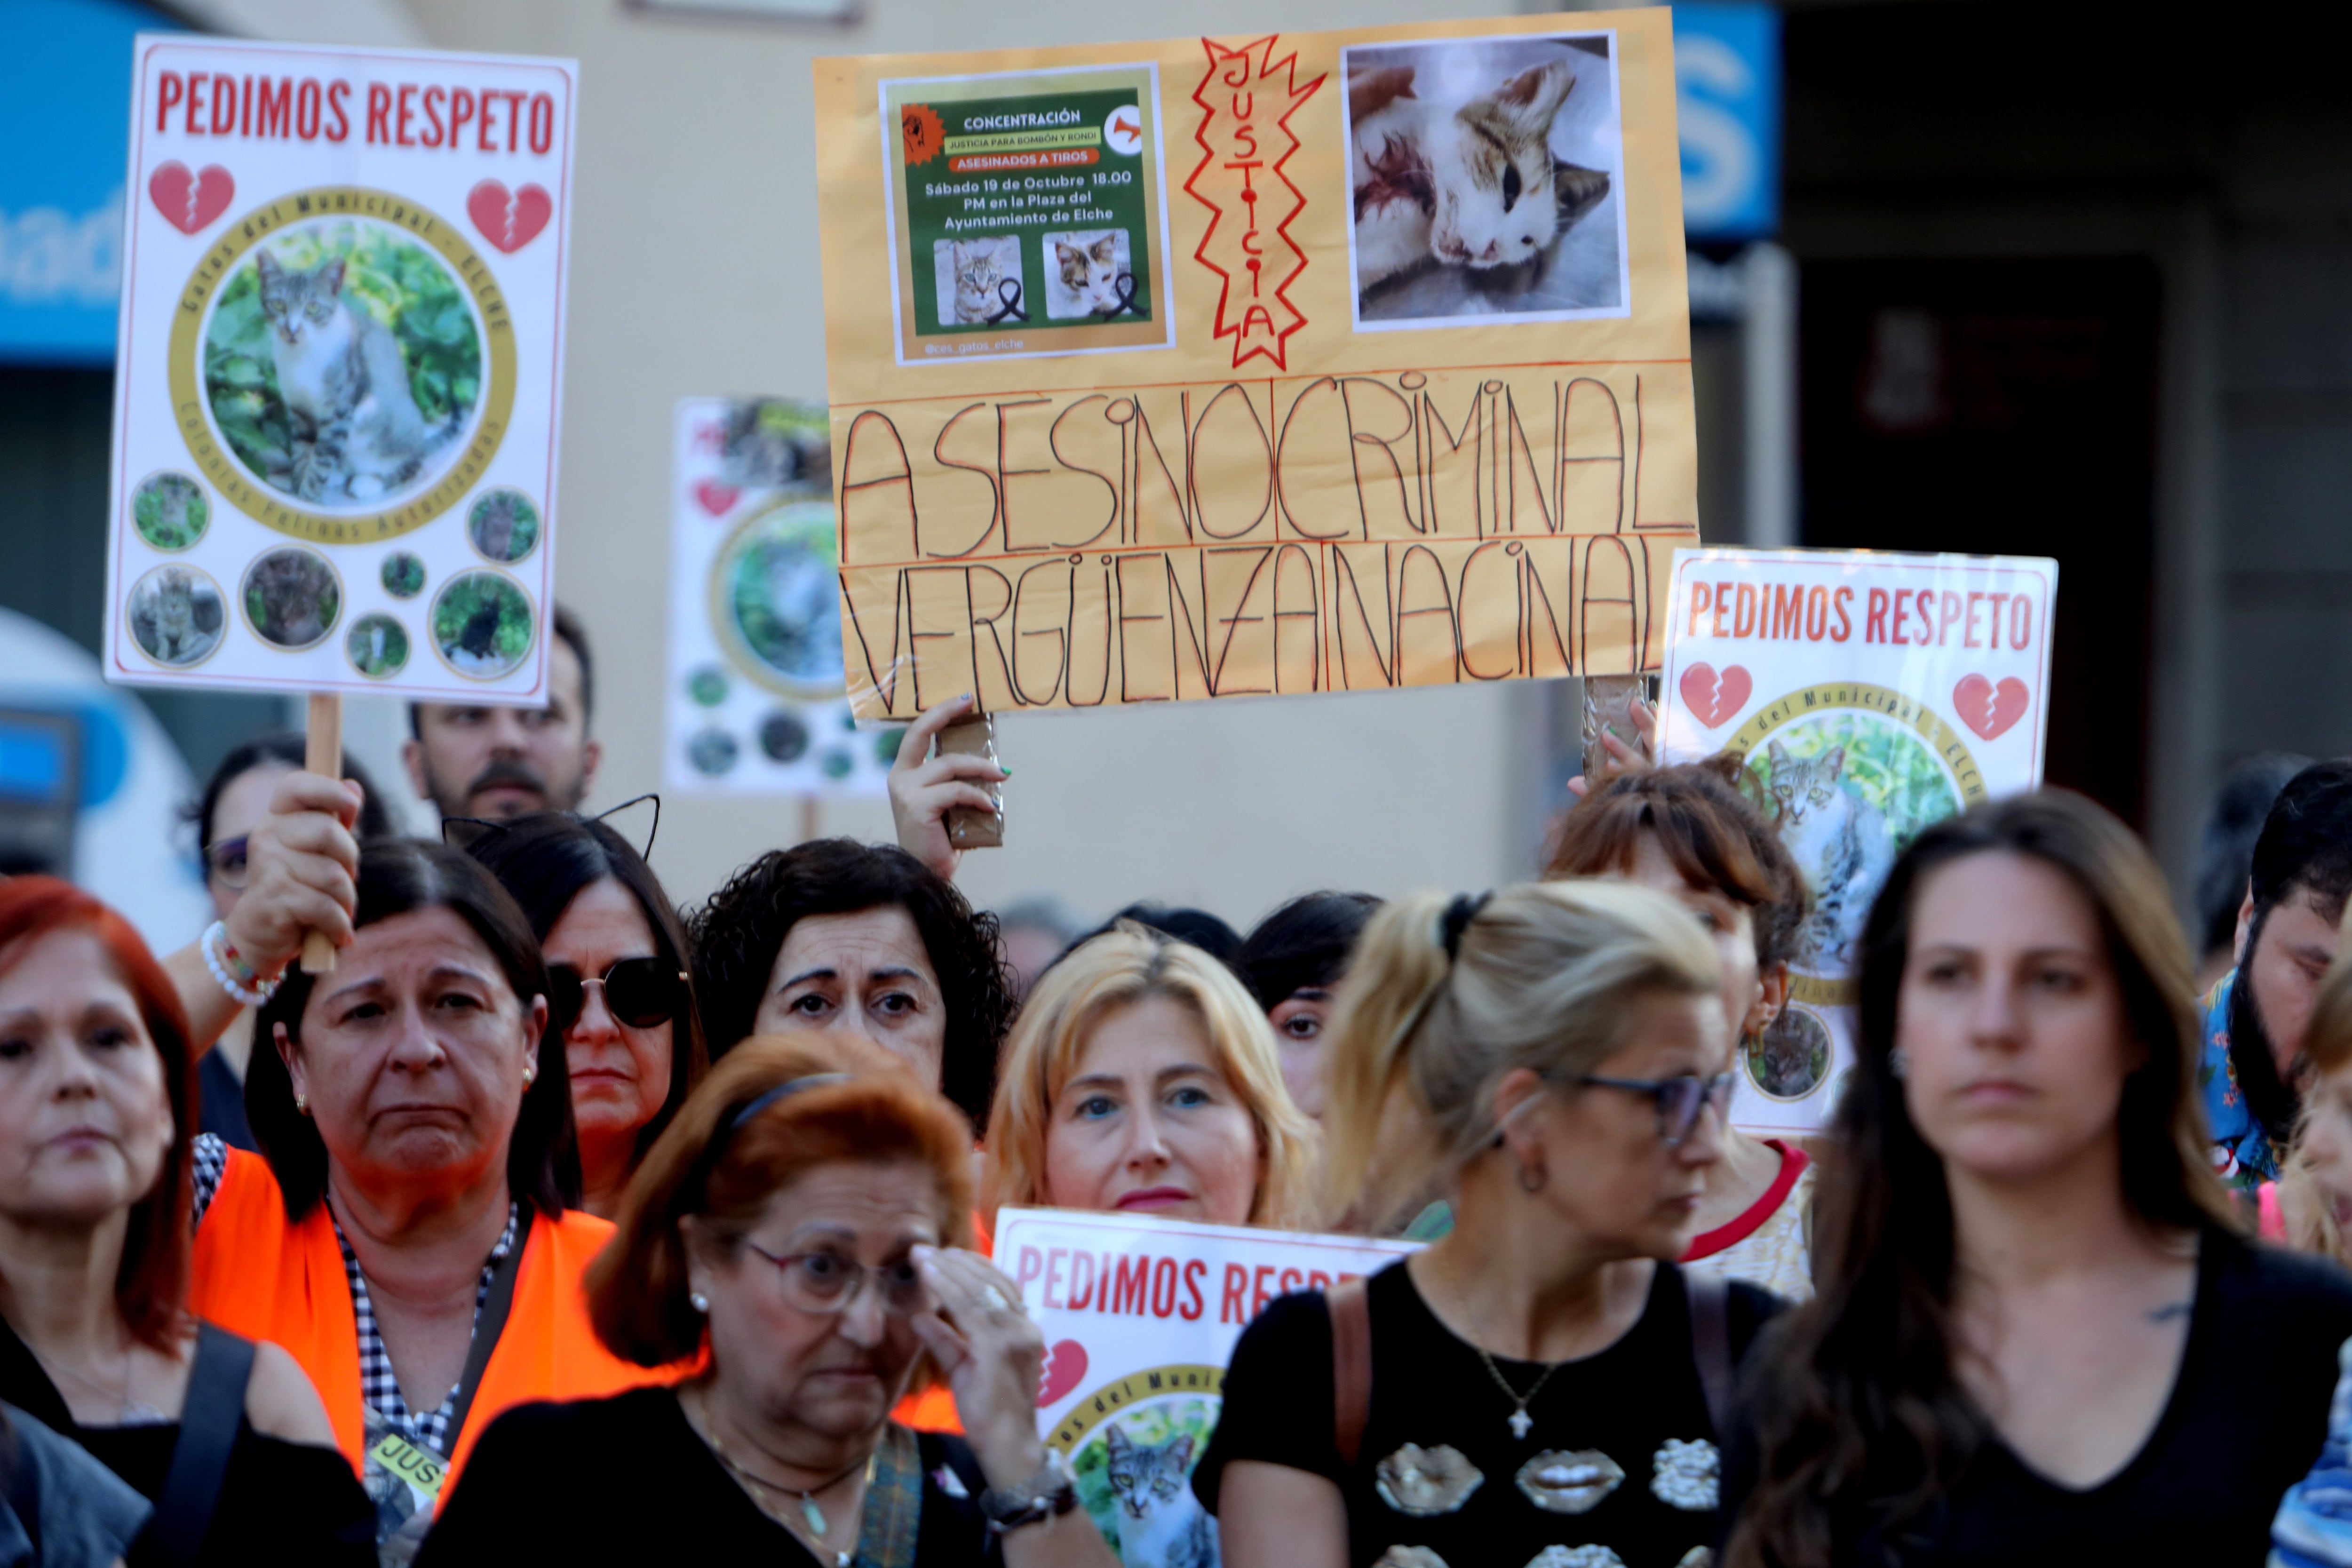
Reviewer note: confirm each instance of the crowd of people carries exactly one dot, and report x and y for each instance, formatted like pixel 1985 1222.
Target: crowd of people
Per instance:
pixel 557 1220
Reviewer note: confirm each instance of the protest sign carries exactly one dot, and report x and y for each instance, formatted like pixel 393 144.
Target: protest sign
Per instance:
pixel 1317 361
pixel 1140 1316
pixel 339 367
pixel 1868 695
pixel 755 703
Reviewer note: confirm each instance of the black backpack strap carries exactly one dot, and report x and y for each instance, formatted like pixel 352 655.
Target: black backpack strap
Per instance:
pixel 1711 1320
pixel 208 1427
pixel 490 1327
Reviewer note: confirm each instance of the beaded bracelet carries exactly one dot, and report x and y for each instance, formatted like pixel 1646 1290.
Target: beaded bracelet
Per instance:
pixel 227 965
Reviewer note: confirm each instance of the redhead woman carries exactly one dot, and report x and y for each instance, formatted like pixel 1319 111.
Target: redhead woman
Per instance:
pixel 96 1108
pixel 1141 1077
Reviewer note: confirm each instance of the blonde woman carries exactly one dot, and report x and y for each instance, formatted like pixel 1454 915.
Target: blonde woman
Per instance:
pixel 1540 1385
pixel 1143 1078
pixel 2310 1205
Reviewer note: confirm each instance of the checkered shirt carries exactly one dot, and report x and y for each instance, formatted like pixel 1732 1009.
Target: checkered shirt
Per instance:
pixel 379 1386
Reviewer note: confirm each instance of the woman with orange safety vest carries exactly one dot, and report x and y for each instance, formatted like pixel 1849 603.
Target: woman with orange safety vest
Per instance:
pixel 411 1237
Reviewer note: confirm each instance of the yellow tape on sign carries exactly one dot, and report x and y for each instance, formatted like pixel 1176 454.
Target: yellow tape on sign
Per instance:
pixel 414 1463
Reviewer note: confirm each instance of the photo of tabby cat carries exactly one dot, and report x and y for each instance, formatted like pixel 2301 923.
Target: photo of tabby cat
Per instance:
pixel 342 362
pixel 503 526
pixel 170 510
pixel 1135 1477
pixel 1789 1059
pixel 176 615
pixel 978 280
pixel 1483 173
pixel 292 598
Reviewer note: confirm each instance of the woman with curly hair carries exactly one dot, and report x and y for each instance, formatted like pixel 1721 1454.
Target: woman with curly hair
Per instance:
pixel 834 934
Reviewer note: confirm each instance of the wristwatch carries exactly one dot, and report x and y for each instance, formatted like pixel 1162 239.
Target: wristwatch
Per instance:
pixel 1048 1494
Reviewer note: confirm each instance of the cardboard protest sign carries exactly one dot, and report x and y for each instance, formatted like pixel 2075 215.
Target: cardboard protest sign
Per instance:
pixel 1140 1317
pixel 1317 362
pixel 755 684
pixel 339 369
pixel 1868 695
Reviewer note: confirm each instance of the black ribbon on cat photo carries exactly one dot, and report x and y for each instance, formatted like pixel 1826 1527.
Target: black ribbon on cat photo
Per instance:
pixel 1009 290
pixel 1125 284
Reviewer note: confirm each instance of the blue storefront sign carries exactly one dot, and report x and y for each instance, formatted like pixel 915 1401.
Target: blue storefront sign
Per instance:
pixel 65 108
pixel 1728 98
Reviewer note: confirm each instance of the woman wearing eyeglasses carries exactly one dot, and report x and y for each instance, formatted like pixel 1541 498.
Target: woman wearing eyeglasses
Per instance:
pixel 1542 1385
pixel 618 986
pixel 802 1222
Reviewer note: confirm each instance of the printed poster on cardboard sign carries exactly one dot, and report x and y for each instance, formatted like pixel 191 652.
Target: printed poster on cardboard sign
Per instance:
pixel 1256 365
pixel 339 371
pixel 1867 696
pixel 755 703
pixel 1140 1317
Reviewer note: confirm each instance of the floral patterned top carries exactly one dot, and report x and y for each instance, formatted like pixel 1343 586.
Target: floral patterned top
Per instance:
pixel 2243 1156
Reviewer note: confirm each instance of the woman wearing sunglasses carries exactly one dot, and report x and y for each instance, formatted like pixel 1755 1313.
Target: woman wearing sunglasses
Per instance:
pixel 802 1222
pixel 617 985
pixel 1542 1385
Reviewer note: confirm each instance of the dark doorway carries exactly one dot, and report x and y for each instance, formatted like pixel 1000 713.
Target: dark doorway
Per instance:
pixel 2002 408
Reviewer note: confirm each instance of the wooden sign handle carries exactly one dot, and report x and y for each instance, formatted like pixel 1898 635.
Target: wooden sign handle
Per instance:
pixel 322 753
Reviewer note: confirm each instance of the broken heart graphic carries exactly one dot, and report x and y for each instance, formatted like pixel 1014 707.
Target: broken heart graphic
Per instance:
pixel 188 202
pixel 1065 1363
pixel 715 496
pixel 1714 701
pixel 508 221
pixel 1990 709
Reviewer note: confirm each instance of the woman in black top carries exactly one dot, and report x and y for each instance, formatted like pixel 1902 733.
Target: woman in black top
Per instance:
pixel 1539 1378
pixel 95 1123
pixel 2038 1339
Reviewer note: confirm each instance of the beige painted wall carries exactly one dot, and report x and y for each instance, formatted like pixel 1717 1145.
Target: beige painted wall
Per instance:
pixel 696 273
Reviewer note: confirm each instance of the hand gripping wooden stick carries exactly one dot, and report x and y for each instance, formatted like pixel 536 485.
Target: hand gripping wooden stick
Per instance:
pixel 322 753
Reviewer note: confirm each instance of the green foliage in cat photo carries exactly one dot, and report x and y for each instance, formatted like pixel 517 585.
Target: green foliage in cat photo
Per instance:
pixel 170 512
pixel 1886 764
pixel 257 603
pixel 482 624
pixel 401 284
pixel 403 575
pixel 1146 1426
pixel 783 590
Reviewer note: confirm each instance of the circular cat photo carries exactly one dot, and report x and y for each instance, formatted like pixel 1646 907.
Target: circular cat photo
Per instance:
pixel 707 686
pixel 1847 789
pixel 403 575
pixel 1789 1058
pixel 712 752
pixel 170 510
pixel 481 625
pixel 292 597
pixel 377 646
pixel 1134 1470
pixel 176 615
pixel 777 599
pixel 343 362
pixel 503 526
pixel 784 737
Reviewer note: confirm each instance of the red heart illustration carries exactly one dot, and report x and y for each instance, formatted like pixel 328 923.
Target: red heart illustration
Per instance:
pixel 715 496
pixel 508 221
pixel 1713 699
pixel 188 202
pixel 1988 710
pixel 1065 1363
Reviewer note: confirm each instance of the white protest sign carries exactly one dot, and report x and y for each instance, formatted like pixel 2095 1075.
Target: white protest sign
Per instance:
pixel 755 696
pixel 339 370
pixel 1869 695
pixel 1140 1317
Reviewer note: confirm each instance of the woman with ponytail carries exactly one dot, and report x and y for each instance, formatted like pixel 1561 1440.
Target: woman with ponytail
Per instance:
pixel 1542 1385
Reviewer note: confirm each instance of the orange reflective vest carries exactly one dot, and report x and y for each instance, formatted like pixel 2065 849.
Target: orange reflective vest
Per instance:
pixel 260 1275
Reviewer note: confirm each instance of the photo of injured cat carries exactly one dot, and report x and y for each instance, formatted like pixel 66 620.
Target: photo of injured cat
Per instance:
pixel 176 615
pixel 292 598
pixel 978 280
pixel 1486 178
pixel 481 625
pixel 1089 273
pixel 342 363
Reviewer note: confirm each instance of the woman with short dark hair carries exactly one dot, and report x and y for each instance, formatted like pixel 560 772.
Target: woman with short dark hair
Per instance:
pixel 411 1235
pixel 1292 962
pixel 837 934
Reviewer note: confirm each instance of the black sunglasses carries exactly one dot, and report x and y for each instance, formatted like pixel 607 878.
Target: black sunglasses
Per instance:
pixel 1679 1100
pixel 639 992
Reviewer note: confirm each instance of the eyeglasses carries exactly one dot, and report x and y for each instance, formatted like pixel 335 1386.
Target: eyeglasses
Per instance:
pixel 827 1282
pixel 226 861
pixel 1679 1100
pixel 639 992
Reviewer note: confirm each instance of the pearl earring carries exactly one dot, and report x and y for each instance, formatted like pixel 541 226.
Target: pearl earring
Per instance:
pixel 529 1073
pixel 698 1301
pixel 301 1106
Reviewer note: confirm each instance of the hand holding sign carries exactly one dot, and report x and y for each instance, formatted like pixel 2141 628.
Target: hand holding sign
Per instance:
pixel 924 788
pixel 302 869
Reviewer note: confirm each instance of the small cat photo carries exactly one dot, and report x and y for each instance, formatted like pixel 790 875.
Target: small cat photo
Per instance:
pixel 1485 175
pixel 1090 272
pixel 779 592
pixel 503 526
pixel 170 510
pixel 292 598
pixel 712 752
pixel 403 575
pixel 1134 1477
pixel 1789 1059
pixel 978 280
pixel 377 646
pixel 482 625
pixel 176 615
